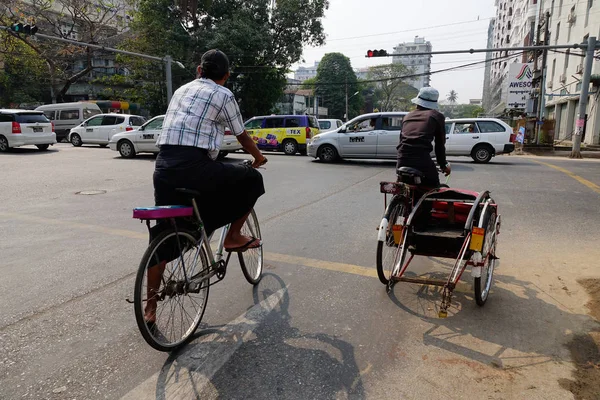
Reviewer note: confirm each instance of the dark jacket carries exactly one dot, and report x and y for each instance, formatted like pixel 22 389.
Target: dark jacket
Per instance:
pixel 419 129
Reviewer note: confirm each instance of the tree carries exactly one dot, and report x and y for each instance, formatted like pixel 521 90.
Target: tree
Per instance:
pixel 461 110
pixel 391 92
pixel 452 96
pixel 334 81
pixel 89 22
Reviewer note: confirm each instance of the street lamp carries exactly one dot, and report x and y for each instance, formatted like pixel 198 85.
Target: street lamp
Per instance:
pixel 348 98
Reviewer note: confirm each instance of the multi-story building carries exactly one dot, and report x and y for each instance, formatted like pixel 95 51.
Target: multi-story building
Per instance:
pixel 571 21
pixel 304 73
pixel 487 98
pixel 513 26
pixel 421 64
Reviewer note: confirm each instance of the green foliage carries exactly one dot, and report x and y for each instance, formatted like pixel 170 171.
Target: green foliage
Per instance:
pixel 335 79
pixel 391 93
pixel 461 110
pixel 452 96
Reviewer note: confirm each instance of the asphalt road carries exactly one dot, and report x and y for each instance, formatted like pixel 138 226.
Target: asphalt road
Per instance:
pixel 319 325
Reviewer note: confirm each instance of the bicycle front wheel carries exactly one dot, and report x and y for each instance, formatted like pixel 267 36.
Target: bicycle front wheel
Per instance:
pixel 389 247
pixel 169 299
pixel 251 260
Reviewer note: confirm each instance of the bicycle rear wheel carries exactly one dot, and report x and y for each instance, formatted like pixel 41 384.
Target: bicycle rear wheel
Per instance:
pixel 483 284
pixel 180 303
pixel 251 260
pixel 390 248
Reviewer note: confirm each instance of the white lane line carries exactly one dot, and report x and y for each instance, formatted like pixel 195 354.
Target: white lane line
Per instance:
pixel 190 373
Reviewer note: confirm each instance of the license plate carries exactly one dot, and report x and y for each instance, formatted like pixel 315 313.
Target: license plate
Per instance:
pixel 38 129
pixel 477 239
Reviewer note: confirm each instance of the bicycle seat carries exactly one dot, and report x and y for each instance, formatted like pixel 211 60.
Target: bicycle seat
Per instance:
pixel 410 171
pixel 189 192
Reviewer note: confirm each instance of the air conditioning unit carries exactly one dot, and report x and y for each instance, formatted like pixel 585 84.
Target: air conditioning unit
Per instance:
pixel 571 17
pixel 550 85
pixel 579 69
pixel 563 78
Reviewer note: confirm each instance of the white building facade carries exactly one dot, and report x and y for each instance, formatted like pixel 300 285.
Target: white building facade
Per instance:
pixel 421 64
pixel 571 21
pixel 304 73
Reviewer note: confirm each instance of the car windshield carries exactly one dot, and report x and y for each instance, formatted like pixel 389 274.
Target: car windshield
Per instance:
pixel 31 118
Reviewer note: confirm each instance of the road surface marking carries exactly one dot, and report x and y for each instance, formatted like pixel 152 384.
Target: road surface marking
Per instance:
pixel 275 257
pixel 578 178
pixel 190 374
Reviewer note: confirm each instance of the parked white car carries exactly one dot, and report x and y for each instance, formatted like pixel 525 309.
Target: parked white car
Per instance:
pixel 478 138
pixel 373 135
pixel 143 140
pixel 326 125
pixel 23 127
pixel 100 128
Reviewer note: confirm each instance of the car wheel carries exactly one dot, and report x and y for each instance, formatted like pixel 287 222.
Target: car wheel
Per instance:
pixel 482 153
pixel 290 147
pixel 126 149
pixel 76 140
pixel 327 153
pixel 4 144
pixel 222 155
pixel 42 147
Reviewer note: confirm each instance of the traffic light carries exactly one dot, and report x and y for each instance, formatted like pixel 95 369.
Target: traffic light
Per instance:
pixel 376 53
pixel 27 29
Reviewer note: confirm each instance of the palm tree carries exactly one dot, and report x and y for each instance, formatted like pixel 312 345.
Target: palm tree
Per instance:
pixel 452 96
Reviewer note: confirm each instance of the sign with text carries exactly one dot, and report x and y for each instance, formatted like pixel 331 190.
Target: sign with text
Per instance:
pixel 519 85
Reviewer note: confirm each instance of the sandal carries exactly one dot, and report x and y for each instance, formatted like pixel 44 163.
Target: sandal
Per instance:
pixel 245 247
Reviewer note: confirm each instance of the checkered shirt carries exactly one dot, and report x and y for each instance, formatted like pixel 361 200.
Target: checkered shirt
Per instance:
pixel 198 114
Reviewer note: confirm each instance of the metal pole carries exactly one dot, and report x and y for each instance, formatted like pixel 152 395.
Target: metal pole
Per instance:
pixel 583 97
pixel 542 102
pixel 346 100
pixel 168 61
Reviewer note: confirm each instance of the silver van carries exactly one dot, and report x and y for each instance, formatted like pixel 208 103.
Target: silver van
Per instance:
pixel 68 115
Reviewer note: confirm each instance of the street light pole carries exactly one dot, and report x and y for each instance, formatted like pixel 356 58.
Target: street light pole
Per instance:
pixel 346 101
pixel 583 97
pixel 168 62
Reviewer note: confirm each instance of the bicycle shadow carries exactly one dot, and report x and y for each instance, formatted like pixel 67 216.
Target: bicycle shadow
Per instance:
pixel 262 356
pixel 524 327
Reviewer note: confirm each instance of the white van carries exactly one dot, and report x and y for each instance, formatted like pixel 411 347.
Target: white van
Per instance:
pixel 68 115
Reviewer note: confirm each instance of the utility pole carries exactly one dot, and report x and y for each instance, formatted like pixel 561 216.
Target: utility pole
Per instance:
pixel 168 62
pixel 346 100
pixel 542 101
pixel 583 97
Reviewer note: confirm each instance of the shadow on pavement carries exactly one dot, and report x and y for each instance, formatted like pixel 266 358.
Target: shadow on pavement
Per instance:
pixel 525 328
pixel 28 151
pixel 275 360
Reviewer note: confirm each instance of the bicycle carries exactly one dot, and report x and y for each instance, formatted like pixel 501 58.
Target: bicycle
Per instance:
pixel 391 233
pixel 186 276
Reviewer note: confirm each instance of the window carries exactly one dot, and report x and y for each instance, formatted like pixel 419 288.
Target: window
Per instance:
pixel 110 120
pixel 6 118
pixel 490 126
pixel 587 11
pixel 31 118
pixel 136 121
pixel 274 123
pixel 468 127
pixel 313 122
pixel 560 6
pixel 87 113
pixel 68 114
pixel 97 121
pixel 339 123
pixel 254 124
pixel 49 114
pixel 154 124
pixel 553 70
pixel 448 127
pixel 557 33
pixel 391 123
pixel 293 122
pixel 362 125
pixel 324 124
pixel 566 61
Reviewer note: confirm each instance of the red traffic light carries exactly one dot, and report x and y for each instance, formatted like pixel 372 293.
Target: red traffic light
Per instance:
pixel 377 53
pixel 370 53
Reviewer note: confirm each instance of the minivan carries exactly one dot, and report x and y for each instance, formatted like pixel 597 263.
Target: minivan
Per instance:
pixel 287 133
pixel 68 115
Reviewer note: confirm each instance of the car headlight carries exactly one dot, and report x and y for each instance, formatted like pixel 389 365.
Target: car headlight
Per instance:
pixel 316 138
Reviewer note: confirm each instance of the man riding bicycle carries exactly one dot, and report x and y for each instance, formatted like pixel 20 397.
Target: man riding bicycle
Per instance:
pixel 419 129
pixel 189 143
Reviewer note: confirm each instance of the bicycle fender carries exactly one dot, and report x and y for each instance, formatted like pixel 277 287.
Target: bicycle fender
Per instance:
pixel 382 230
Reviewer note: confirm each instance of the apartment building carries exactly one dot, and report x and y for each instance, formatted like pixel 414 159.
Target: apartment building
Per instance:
pixel 421 64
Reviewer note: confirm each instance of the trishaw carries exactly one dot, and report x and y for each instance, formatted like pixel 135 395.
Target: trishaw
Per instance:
pixel 445 222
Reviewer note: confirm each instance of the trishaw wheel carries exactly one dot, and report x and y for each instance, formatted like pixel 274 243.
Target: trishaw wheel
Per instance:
pixel 390 249
pixel 483 284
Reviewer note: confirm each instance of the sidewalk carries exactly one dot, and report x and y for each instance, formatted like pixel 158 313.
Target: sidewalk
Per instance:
pixel 563 150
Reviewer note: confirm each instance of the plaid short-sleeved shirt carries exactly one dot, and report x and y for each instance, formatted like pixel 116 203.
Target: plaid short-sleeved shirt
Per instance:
pixel 198 114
